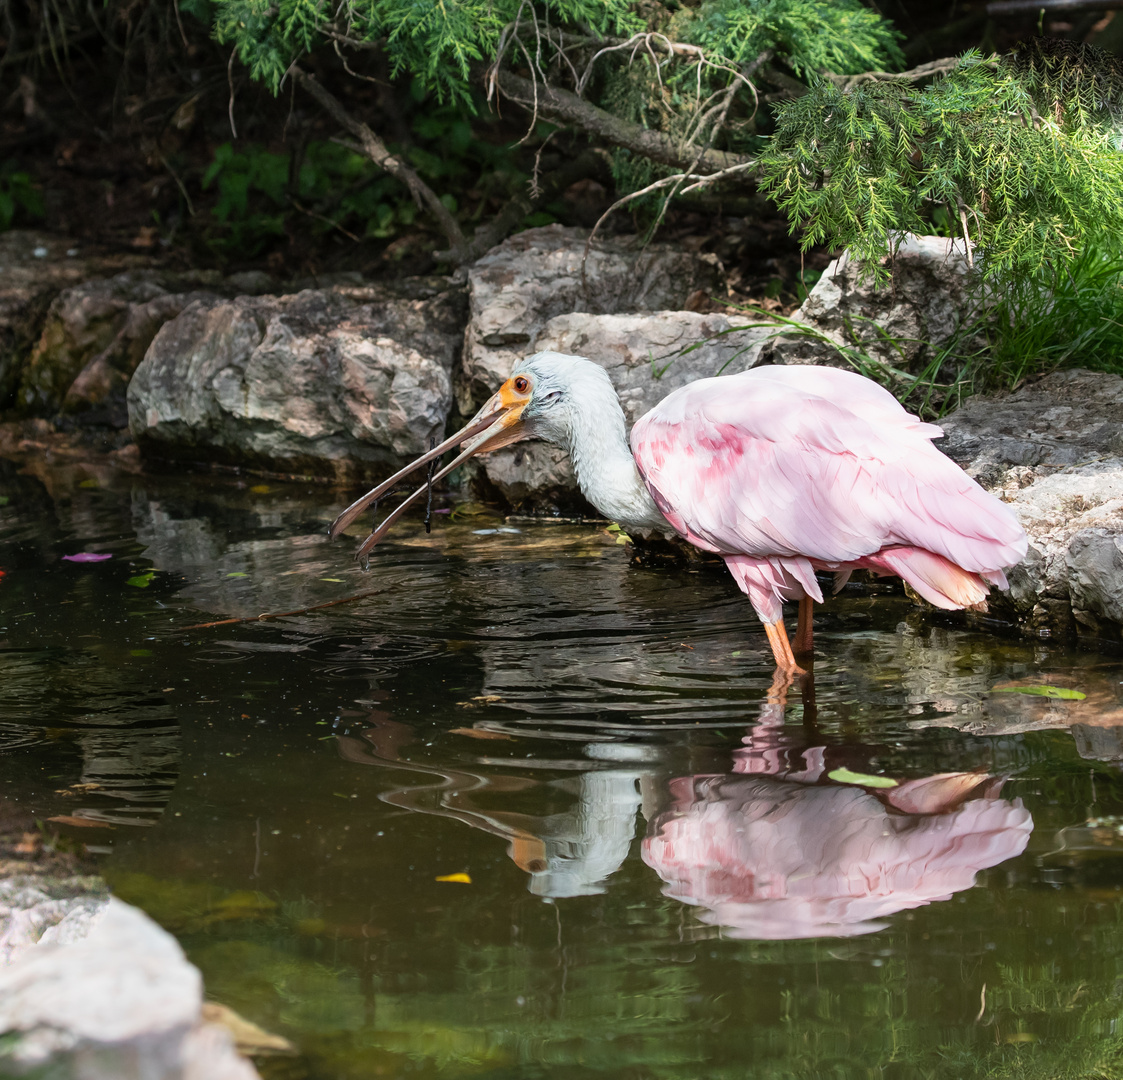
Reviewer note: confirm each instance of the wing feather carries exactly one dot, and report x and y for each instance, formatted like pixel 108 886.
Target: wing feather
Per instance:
pixel 817 462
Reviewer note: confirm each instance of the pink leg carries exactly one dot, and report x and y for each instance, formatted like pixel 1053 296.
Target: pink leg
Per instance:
pixel 786 667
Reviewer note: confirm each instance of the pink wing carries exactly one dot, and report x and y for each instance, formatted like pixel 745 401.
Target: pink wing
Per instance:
pixel 814 464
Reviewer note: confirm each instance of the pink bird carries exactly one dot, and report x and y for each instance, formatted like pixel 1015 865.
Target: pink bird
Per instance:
pixel 780 470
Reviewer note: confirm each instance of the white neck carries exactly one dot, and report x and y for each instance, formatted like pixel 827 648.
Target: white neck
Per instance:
pixel 597 443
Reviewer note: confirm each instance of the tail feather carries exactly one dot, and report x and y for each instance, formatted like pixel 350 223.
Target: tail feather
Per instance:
pixel 935 578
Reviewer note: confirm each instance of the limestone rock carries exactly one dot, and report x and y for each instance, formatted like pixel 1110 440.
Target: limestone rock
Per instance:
pixel 1054 451
pixel 345 381
pixel 517 287
pixel 34 268
pixel 94 336
pixel 931 294
pixel 120 1002
pixel 645 358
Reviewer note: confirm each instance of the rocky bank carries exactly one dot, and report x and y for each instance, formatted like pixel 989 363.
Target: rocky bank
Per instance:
pixel 345 380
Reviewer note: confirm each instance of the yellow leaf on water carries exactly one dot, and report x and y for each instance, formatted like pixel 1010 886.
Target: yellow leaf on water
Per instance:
pixel 261 489
pixel 460 879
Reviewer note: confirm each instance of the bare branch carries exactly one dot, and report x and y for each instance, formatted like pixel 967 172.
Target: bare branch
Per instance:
pixel 563 105
pixel 375 149
pixel 923 71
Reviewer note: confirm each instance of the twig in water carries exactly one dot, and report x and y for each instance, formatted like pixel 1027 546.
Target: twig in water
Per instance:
pixel 285 614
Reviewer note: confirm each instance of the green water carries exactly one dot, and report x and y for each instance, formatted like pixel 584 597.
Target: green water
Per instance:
pixel 662 880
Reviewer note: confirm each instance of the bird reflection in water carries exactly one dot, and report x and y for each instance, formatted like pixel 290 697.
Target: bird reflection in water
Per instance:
pixel 773 850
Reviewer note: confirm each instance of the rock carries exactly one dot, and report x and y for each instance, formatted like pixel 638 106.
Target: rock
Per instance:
pixel 1054 451
pixel 345 382
pixel 930 296
pixel 94 336
pixel 34 268
pixel 644 357
pixel 120 1002
pixel 517 287
pixel 38 907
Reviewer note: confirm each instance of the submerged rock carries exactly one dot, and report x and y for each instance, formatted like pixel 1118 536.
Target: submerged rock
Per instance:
pixel 901 324
pixel 1054 451
pixel 344 382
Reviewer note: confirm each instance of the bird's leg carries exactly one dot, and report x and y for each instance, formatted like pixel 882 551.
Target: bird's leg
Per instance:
pixel 786 667
pixel 804 628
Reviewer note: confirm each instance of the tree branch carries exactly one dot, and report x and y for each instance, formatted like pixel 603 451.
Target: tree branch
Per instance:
pixel 568 107
pixel 374 148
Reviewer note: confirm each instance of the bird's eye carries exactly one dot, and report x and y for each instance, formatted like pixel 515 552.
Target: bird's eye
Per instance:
pixel 522 385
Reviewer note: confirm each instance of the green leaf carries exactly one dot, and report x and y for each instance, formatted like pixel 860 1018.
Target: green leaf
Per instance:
pixel 141 581
pixel 4 500
pixel 1041 691
pixel 845 776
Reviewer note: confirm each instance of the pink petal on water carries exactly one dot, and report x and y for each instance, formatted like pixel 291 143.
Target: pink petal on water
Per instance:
pixel 86 556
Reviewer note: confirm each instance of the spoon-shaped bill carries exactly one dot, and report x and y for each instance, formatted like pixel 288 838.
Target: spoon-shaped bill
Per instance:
pixel 496 424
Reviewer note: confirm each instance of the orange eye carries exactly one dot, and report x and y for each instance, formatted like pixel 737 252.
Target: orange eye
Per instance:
pixel 522 385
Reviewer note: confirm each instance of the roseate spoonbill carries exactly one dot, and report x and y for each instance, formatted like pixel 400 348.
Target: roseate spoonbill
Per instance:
pixel 780 470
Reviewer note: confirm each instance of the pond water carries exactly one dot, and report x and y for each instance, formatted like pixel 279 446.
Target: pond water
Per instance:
pixel 525 811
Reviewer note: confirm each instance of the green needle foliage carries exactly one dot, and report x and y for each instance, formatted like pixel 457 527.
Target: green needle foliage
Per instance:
pixel 435 42
pixel 1023 153
pixel 844 36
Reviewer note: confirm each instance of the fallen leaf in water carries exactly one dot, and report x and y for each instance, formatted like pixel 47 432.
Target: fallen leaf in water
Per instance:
pixel 248 1037
pixel 477 733
pixel 460 879
pixel 141 581
pixel 845 776
pixel 81 822
pixel 1041 691
pixel 29 844
pixel 92 786
pixel 261 489
pixel 89 484
pixel 237 573
pixel 86 556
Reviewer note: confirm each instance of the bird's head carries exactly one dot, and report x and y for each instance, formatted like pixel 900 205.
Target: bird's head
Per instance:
pixel 537 400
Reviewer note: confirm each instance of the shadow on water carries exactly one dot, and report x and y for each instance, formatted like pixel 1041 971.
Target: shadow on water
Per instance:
pixel 525 813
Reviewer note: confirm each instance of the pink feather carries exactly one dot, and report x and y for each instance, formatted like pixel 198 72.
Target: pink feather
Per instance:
pixel 785 470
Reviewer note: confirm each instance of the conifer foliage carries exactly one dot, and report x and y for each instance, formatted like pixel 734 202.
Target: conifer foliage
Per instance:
pixel 1021 155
